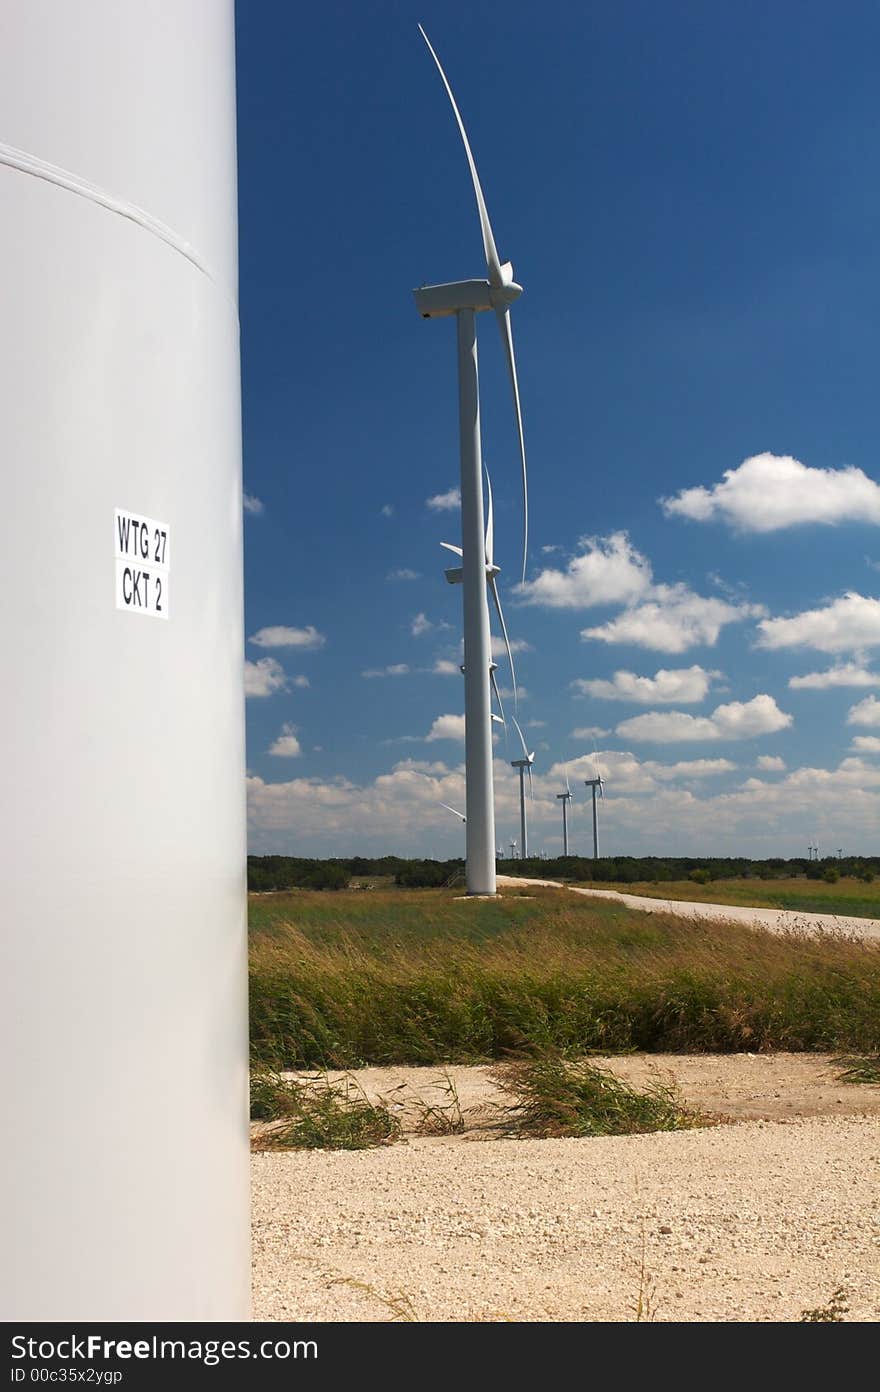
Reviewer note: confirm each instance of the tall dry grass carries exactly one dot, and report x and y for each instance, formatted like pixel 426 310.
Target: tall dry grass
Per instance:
pixel 344 980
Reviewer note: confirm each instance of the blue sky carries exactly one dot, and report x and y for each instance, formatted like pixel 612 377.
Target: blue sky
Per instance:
pixel 688 193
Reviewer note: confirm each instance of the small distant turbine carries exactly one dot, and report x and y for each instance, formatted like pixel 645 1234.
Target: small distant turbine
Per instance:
pixel 525 766
pixel 513 850
pixel 594 783
pixel 566 799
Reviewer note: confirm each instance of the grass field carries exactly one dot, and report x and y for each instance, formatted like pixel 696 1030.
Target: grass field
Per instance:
pixel 344 979
pixel 850 898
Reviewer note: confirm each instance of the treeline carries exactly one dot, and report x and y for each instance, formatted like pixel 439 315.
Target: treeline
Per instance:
pixel 296 872
pixel 276 872
pixel 701 869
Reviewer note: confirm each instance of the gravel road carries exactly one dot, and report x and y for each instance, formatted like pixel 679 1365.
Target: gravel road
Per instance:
pixel 760 1218
pixel 776 920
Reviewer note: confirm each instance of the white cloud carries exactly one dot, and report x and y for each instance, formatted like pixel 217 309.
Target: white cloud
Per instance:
pixel 771 491
pixel 287 746
pixel 866 712
pixel 847 624
pixel 283 637
pixel 296 681
pixel 770 763
pixel 396 669
pixel 386 510
pixel 445 502
pixel 445 727
pixel 667 685
pixel 672 620
pixel 421 624
pixel 404 574
pixel 517 645
pixel 264 677
pixel 735 720
pixel 651 808
pixel 589 732
pixel 844 674
pixel 867 744
pixel 609 570
pixel 252 505
pixel 444 668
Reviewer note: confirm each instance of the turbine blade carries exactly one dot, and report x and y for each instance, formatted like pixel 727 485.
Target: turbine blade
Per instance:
pixel 454 811
pixel 494 588
pixel 496 274
pixel 503 316
pixel 531 789
pixel 497 695
pixel 490 527
pixel 567 784
pixel 456 550
pixel 521 737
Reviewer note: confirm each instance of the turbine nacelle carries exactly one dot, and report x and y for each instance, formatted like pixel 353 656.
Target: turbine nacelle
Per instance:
pixel 441 301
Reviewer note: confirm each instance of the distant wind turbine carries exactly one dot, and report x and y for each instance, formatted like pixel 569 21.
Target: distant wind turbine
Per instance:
pixel 525 766
pixel 465 299
pixel 596 783
pixel 566 799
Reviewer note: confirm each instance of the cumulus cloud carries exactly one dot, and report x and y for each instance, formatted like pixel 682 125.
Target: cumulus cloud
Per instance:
pixel 264 677
pixel 517 645
pixel 770 763
pixel 404 573
pixel 444 668
pixel 667 685
pixel 609 570
pixel 396 669
pixel 843 674
pixel 446 727
pixel 420 624
pixel 771 491
pixel 281 636
pixel 866 712
pixel 296 681
pixel 650 808
pixel 847 624
pixel 867 744
pixel 445 502
pixel 733 721
pixel 386 510
pixel 589 732
pixel 672 620
pixel 287 746
pixel 252 505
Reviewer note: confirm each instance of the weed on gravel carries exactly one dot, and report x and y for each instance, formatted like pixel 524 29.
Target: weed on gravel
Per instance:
pixel 317 1114
pixel 557 1098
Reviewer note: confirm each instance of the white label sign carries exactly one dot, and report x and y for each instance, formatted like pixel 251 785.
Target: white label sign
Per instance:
pixel 143 560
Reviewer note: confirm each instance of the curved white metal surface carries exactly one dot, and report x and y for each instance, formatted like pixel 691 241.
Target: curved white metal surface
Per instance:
pixel 124 1188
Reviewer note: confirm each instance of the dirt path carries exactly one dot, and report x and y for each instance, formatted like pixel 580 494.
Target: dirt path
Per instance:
pixel 757 1220
pixel 776 920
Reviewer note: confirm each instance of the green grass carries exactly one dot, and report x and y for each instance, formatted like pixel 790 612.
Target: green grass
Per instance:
pixel 859 1070
pixel 555 1098
pixel 317 1114
pixel 342 980
pixel 849 898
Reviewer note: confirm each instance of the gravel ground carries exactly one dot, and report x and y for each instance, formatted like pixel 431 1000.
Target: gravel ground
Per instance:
pixel 758 1219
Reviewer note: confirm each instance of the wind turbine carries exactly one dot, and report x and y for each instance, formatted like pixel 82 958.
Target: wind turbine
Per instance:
pixel 465 299
pixel 566 799
pixel 594 783
pixel 513 850
pixel 524 765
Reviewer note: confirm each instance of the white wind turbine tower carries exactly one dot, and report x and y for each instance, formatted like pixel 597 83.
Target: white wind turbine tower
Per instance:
pixel 465 299
pixel 596 783
pixel 566 799
pixel 525 766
